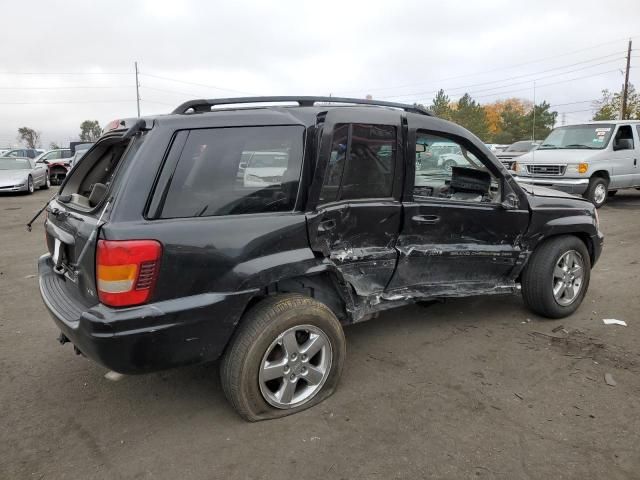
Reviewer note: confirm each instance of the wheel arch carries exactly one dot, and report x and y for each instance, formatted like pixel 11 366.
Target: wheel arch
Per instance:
pixel 601 174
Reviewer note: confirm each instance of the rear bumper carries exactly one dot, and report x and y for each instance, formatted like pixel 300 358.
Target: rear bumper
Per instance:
pixel 570 185
pixel 146 338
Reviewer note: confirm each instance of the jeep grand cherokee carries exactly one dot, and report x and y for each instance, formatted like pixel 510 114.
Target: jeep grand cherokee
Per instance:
pixel 169 245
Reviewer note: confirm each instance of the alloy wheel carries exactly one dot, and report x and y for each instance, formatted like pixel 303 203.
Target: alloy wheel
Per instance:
pixel 295 366
pixel 567 277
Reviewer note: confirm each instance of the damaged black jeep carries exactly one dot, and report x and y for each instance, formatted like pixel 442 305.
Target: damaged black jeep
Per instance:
pixel 254 229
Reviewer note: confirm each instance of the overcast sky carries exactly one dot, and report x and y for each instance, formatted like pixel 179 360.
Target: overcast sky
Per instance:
pixel 394 50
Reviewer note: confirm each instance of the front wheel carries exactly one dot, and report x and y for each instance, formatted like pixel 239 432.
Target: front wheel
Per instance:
pixel 597 191
pixel 556 277
pixel 449 164
pixel 286 356
pixel 30 187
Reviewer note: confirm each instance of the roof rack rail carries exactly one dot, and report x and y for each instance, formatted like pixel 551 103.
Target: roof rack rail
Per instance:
pixel 205 105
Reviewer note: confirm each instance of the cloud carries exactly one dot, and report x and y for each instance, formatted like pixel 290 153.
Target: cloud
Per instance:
pixel 389 49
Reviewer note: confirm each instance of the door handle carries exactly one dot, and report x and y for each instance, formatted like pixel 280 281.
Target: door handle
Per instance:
pixel 426 219
pixel 326 225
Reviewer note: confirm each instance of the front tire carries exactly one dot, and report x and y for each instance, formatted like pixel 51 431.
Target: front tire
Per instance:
pixel 286 356
pixel 47 182
pixel 597 191
pixel 556 278
pixel 30 186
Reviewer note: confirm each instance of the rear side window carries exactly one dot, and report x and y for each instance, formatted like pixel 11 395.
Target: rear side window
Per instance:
pixel 240 170
pixel 361 163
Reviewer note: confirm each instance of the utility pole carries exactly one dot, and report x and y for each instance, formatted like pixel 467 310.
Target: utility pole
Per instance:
pixel 625 87
pixel 564 119
pixel 137 89
pixel 533 134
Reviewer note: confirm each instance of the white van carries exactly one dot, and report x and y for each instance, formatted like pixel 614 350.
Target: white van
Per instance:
pixel 593 159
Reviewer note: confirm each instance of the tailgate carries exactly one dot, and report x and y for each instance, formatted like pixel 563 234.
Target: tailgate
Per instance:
pixel 71 241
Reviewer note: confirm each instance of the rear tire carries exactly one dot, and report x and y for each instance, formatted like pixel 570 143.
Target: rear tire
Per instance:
pixel 265 330
pixel 597 191
pixel 542 277
pixel 47 182
pixel 30 187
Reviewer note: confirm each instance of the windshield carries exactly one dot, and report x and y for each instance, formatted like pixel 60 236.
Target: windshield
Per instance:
pixel 15 164
pixel 592 137
pixel 520 147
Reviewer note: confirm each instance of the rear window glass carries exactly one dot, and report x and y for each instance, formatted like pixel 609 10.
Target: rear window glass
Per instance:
pixel 360 163
pixel 230 171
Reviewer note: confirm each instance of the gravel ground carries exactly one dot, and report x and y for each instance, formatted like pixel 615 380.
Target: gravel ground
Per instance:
pixel 472 388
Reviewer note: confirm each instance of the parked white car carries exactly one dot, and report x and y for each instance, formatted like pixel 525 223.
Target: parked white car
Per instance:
pixel 593 159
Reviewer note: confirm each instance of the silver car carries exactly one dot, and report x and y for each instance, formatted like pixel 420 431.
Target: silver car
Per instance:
pixel 18 174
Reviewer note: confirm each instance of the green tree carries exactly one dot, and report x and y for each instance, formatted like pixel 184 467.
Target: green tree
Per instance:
pixel 29 137
pixel 441 105
pixel 471 115
pixel 90 131
pixel 545 119
pixel 512 125
pixel 610 104
pixel 54 146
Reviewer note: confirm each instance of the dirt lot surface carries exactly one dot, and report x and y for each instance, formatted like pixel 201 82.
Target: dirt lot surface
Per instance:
pixel 474 388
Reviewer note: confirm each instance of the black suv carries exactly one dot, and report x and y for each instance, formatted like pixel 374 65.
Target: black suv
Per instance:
pixel 250 231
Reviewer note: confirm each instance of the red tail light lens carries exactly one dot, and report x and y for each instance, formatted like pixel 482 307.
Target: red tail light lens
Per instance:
pixel 126 271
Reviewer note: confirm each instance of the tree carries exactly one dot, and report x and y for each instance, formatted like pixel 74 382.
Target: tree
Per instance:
pixel 512 124
pixel 29 137
pixel 609 106
pixel 471 115
pixel 544 120
pixel 54 146
pixel 90 131
pixel 493 111
pixel 441 105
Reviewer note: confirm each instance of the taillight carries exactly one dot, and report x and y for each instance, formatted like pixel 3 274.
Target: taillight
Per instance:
pixel 126 271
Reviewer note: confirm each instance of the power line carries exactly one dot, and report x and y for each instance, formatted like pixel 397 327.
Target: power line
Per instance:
pixel 520 76
pixel 66 73
pixel 65 103
pixel 194 83
pixel 493 70
pixel 543 85
pixel 174 92
pixel 574 103
pixel 65 87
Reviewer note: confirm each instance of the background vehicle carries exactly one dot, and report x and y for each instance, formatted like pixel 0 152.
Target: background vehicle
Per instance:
pixel 514 150
pixel 594 159
pixel 59 162
pixel 80 151
pixel 19 174
pixel 161 255
pixel 23 152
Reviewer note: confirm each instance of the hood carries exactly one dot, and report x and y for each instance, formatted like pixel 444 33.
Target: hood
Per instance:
pixel 8 178
pixel 558 156
pixel 508 155
pixel 538 191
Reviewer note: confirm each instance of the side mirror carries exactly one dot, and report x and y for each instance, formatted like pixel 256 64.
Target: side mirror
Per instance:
pixel 421 148
pixel 510 202
pixel 623 144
